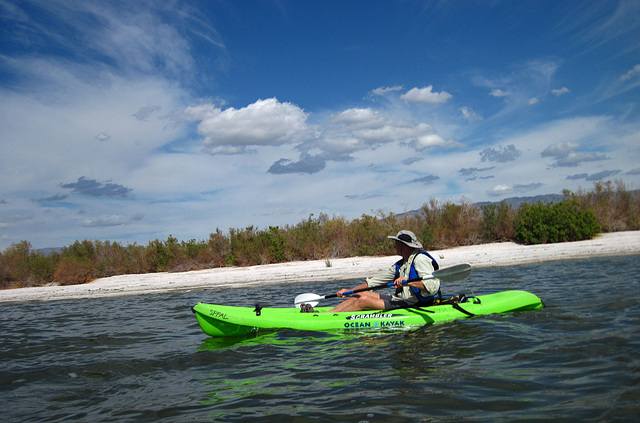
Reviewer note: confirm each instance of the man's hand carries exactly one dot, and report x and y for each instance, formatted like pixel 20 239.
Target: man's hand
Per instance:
pixel 339 293
pixel 399 282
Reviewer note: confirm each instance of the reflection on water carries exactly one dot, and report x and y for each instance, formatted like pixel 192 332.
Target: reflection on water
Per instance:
pixel 145 358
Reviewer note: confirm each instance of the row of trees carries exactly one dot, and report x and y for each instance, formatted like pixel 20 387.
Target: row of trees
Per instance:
pixel 581 215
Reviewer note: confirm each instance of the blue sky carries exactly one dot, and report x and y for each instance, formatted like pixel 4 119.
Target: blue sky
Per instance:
pixel 133 120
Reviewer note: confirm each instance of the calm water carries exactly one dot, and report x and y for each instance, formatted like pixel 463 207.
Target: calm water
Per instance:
pixel 144 358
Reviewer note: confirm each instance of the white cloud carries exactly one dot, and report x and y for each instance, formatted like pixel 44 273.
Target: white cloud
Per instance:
pixel 384 90
pixel 394 130
pixel 524 86
pixel 425 95
pixel 500 154
pixel 469 114
pixel 433 140
pixel 263 123
pixel 562 149
pixel 509 190
pixel 566 154
pixel 63 125
pixel 499 93
pixel 359 118
pixel 370 128
pixel 132 36
pixel 631 74
pixel 560 91
pixel 358 130
pixel 106 221
pixel 102 136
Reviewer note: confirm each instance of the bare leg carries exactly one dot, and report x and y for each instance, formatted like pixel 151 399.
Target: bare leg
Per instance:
pixel 362 301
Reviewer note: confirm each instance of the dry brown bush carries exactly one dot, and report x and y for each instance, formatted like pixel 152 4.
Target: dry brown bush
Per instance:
pixel 71 271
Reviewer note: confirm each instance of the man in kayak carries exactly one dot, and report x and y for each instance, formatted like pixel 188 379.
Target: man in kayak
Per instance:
pixel 414 264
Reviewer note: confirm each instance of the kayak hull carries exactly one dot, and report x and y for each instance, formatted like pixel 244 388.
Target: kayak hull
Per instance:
pixel 219 320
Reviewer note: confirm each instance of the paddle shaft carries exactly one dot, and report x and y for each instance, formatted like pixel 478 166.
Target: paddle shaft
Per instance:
pixel 373 288
pixel 458 272
pixel 449 272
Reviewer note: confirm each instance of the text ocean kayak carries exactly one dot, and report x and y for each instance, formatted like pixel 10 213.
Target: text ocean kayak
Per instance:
pixel 218 320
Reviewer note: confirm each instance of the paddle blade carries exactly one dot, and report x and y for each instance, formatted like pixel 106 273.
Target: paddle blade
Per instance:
pixel 453 273
pixel 308 298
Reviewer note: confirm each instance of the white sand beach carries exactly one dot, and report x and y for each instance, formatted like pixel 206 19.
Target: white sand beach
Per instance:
pixel 487 255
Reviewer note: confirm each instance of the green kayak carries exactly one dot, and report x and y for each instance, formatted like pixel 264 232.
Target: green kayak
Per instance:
pixel 219 320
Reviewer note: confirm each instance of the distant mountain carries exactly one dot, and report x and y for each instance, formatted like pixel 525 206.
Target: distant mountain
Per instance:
pixel 48 251
pixel 516 201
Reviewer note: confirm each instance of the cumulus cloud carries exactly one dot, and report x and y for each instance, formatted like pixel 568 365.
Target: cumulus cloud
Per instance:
pixel 359 129
pixel 371 128
pixel 93 188
pixel 432 140
pixel 565 154
pixel 425 95
pixel 500 154
pixel 367 119
pixel 561 149
pixel 272 123
pixel 414 95
pixel 263 123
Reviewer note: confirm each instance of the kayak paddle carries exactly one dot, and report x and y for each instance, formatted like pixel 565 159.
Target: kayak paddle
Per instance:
pixel 450 274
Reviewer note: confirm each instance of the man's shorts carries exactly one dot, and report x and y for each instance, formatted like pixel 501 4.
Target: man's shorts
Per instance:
pixel 391 304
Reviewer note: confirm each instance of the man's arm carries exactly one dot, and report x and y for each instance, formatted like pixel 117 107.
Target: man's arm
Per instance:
pixel 382 278
pixel 363 285
pixel 424 268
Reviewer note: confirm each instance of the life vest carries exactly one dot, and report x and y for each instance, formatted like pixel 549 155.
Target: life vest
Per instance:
pixel 413 274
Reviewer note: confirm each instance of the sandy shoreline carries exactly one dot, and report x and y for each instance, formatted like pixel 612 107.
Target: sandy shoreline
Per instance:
pixel 487 255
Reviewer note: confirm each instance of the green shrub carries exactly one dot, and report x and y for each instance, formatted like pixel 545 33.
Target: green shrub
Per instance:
pixel 497 222
pixel 549 223
pixel 276 243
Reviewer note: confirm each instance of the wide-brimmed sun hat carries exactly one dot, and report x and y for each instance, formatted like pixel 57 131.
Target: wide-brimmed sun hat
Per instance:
pixel 407 237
